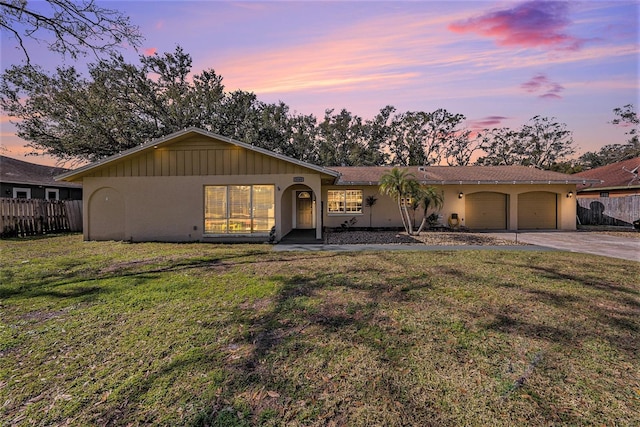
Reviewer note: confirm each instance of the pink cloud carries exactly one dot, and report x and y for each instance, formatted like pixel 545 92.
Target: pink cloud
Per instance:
pixel 529 24
pixel 150 51
pixel 486 122
pixel 337 62
pixel 550 96
pixel 541 83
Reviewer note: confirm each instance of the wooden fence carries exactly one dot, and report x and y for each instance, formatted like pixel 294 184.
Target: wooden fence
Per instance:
pixel 620 211
pixel 30 217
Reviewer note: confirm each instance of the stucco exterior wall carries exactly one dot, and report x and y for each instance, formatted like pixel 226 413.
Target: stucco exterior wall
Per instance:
pixel 385 211
pixel 172 208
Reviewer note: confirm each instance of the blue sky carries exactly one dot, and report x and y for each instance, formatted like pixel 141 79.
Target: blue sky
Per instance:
pixel 498 63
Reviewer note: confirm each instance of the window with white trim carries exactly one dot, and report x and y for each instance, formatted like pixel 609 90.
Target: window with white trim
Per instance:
pixel 239 209
pixel 344 201
pixel 52 194
pixel 21 193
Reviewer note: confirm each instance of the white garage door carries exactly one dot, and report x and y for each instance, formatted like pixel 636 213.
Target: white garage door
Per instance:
pixel 486 211
pixel 537 211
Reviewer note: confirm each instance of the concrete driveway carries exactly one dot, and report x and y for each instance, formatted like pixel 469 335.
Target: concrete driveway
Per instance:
pixel 580 241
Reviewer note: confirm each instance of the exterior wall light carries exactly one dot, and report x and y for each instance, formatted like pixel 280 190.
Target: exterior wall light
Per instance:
pixel 569 194
pixel 460 194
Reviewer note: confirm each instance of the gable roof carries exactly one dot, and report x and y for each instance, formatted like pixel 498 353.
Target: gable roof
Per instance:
pixel 16 171
pixel 169 139
pixel 618 175
pixel 371 175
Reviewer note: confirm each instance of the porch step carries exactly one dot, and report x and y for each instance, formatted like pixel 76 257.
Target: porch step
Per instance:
pixel 299 237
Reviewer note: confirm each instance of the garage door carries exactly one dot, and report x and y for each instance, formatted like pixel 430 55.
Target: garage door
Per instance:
pixel 486 211
pixel 537 211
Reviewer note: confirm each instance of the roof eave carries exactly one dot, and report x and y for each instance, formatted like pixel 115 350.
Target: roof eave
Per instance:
pixel 475 182
pixel 42 184
pixel 623 187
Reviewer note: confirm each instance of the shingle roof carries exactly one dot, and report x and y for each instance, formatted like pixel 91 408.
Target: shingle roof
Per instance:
pixel 458 175
pixel 20 172
pixel 615 175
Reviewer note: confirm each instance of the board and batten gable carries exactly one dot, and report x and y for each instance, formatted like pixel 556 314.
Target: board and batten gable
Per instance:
pixel 197 155
pixel 157 192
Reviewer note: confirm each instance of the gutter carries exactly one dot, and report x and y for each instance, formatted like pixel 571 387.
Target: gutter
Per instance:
pixel 625 187
pixel 477 182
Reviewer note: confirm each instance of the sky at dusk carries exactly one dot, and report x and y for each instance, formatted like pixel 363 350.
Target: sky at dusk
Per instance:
pixel 497 62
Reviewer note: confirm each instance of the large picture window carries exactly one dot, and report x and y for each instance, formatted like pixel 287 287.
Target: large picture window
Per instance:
pixel 344 201
pixel 239 209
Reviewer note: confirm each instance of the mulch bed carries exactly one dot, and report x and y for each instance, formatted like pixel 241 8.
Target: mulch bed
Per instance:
pixel 425 238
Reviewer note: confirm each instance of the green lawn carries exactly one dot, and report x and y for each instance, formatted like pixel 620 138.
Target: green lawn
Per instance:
pixel 106 333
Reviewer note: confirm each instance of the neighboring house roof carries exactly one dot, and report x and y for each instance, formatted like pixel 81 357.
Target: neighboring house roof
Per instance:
pixel 370 175
pixel 14 171
pixel 169 139
pixel 620 175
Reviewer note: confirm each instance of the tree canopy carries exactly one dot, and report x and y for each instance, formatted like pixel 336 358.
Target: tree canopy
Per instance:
pixel 627 118
pixel 119 105
pixel 541 142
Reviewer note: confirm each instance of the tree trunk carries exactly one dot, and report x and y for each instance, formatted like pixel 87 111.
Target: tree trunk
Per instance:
pixel 404 221
pixel 407 221
pixel 424 221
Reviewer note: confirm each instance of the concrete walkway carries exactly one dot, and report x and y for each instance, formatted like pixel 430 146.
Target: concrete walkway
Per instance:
pixel 573 241
pixel 580 241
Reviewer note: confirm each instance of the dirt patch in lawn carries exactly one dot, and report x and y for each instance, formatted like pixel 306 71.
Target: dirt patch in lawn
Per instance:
pixel 41 315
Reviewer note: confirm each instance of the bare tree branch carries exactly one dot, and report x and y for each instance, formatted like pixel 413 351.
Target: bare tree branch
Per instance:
pixel 76 27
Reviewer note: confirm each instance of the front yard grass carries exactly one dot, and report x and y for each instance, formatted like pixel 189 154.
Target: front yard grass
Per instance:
pixel 108 333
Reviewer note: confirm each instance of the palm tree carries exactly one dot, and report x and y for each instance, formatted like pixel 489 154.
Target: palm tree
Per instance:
pixel 397 184
pixel 429 197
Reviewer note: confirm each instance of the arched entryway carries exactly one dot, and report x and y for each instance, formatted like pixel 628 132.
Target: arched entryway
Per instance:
pixel 106 215
pixel 301 213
